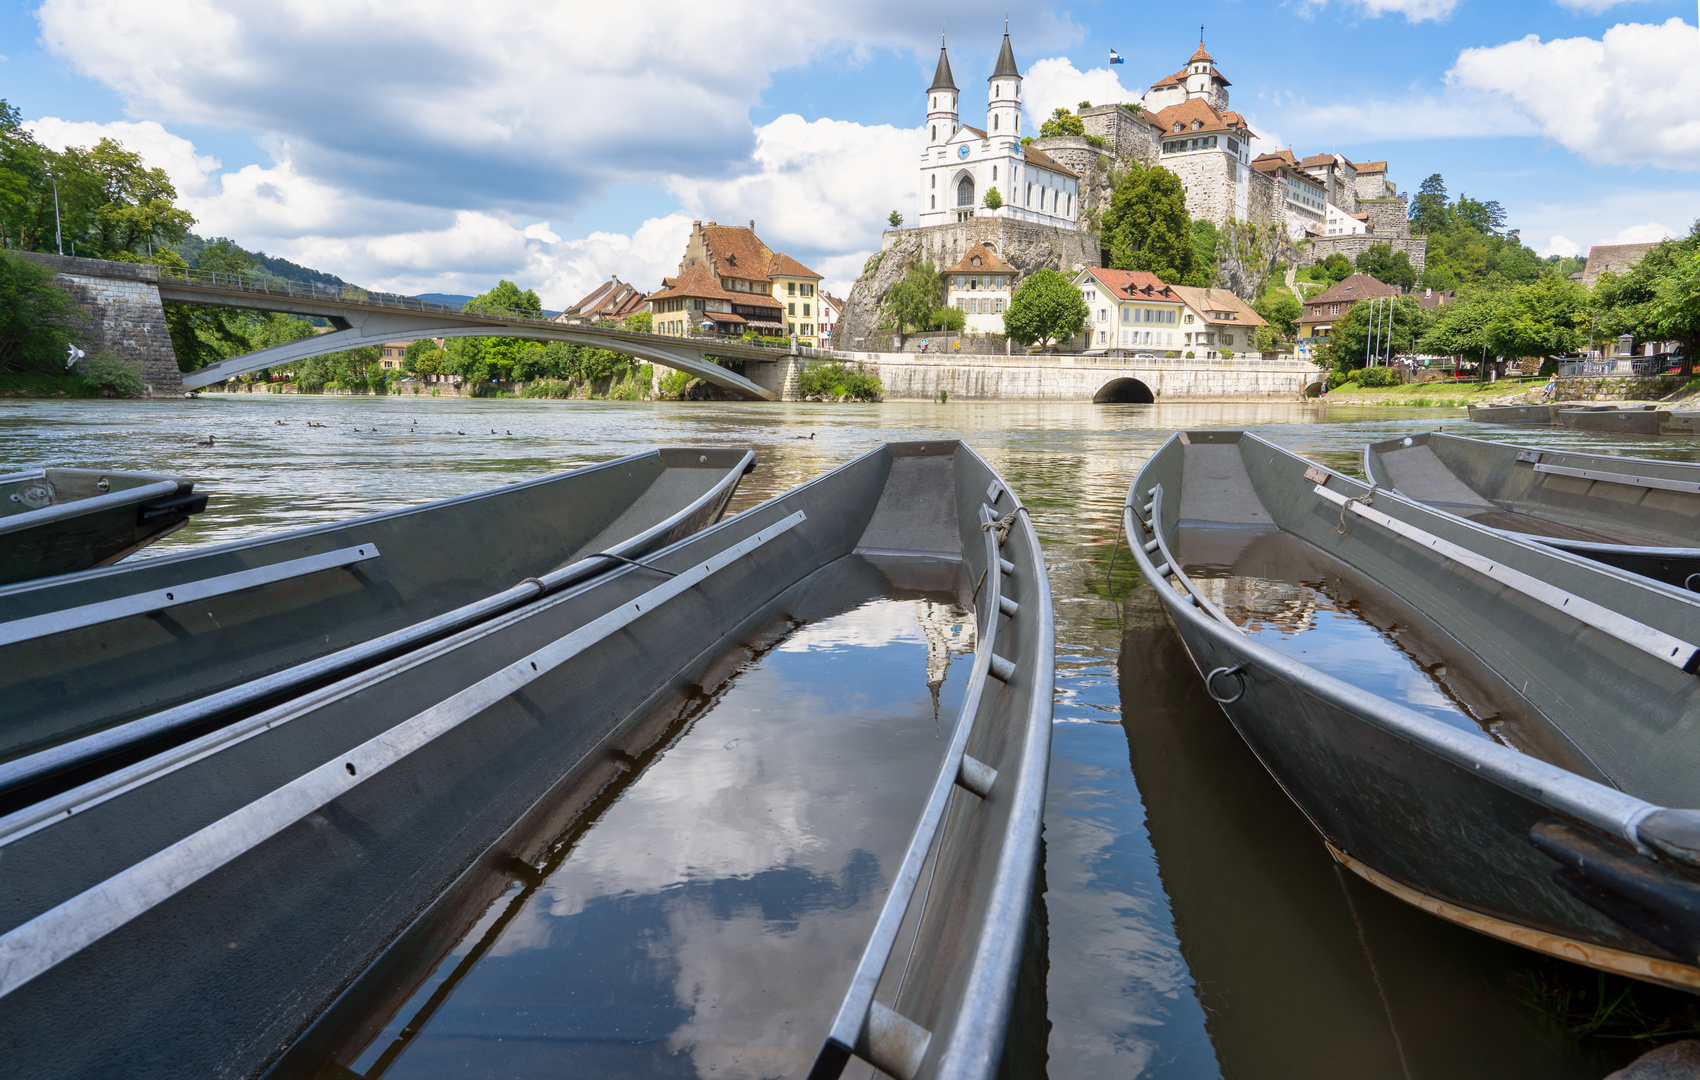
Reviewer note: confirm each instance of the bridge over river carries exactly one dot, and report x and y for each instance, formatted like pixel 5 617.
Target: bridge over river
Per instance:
pixel 123 307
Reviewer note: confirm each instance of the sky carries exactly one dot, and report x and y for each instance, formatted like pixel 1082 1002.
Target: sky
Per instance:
pixel 439 146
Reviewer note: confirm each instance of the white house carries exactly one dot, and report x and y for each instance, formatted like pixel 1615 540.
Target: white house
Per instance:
pixel 1340 223
pixel 980 285
pixel 962 165
pixel 1130 310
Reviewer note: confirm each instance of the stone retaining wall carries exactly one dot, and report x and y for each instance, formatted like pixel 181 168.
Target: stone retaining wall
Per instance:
pixel 909 377
pixel 119 309
pixel 1617 387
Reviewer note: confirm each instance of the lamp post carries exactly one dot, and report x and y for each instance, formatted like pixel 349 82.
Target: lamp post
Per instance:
pixel 58 234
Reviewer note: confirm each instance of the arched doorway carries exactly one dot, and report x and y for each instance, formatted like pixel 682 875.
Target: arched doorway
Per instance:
pixel 965 191
pixel 1124 392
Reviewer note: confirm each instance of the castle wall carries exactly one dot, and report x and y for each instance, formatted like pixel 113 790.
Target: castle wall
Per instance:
pixel 1388 218
pixel 1127 135
pixel 1414 247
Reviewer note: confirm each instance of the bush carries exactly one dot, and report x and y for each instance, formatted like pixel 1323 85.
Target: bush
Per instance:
pixel 548 388
pixel 835 380
pixel 675 384
pixel 122 377
pixel 1374 377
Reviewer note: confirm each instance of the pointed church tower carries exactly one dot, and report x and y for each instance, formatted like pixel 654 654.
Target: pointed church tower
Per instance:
pixel 941 102
pixel 1003 113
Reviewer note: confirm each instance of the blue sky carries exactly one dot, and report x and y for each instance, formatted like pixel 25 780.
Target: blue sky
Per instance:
pixel 556 145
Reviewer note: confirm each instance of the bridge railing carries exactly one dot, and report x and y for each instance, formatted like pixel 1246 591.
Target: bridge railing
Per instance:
pixel 247 283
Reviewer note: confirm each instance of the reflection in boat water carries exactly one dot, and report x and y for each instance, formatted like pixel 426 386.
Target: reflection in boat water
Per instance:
pixel 704 920
pixel 1303 970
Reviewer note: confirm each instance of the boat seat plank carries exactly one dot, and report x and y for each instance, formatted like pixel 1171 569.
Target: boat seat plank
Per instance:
pixel 1625 479
pixel 86 615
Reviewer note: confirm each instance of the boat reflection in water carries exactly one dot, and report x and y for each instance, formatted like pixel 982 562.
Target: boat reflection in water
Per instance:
pixel 1304 970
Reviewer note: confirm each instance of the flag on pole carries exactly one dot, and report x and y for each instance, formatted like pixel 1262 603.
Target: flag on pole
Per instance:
pixel 1115 57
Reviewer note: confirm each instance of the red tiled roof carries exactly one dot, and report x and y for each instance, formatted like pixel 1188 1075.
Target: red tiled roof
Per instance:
pixel 1135 285
pixel 784 265
pixel 1201 55
pixel 989 263
pixel 1197 109
pixel 698 283
pixel 737 252
pixel 1372 167
pixel 1173 80
pixel 1042 160
pixel 1348 292
pixel 1205 301
pixel 1317 159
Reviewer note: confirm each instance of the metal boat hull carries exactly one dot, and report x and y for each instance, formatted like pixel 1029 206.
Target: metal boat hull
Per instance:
pixel 1545 415
pixel 303 596
pixel 1564 860
pixel 1638 515
pixel 59 521
pixel 248 897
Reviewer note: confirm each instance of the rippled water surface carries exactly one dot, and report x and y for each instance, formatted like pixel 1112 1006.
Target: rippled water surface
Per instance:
pixel 1195 925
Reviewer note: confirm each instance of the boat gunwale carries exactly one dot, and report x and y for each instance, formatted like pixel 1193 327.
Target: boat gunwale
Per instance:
pixel 1615 812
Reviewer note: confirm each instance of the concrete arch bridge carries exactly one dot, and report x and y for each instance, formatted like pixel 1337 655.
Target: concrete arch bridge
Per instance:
pixel 123 304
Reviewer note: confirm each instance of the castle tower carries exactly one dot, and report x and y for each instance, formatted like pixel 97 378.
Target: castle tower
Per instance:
pixel 941 103
pixel 1204 81
pixel 1003 112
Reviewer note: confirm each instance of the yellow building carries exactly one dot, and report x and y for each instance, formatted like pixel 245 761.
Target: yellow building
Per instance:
pixel 730 282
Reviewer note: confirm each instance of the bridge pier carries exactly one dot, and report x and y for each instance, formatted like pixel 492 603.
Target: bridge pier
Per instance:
pixel 120 309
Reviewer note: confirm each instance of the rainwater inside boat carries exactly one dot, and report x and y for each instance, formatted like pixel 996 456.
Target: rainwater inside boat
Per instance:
pixel 703 912
pixel 1317 609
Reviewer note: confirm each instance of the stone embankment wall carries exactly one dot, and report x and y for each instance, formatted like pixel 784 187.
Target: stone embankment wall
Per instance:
pixel 1617 388
pixel 119 308
pixel 908 377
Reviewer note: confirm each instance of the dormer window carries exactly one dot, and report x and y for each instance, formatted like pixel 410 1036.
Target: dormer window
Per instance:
pixel 1196 124
pixel 1178 126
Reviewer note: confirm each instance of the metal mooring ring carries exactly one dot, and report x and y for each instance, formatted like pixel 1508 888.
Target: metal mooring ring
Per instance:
pixel 1692 583
pixel 1237 671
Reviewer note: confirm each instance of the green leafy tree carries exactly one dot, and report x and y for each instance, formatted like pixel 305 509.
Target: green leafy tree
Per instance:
pixel 1429 211
pixel 481 359
pixel 1147 227
pixel 911 302
pixel 1047 308
pixel 894 219
pixel 35 315
pixel 1061 122
pixel 992 199
pixel 1376 331
pixel 223 256
pixel 1281 310
pixel 1651 301
pixel 1391 267
pixel 952 319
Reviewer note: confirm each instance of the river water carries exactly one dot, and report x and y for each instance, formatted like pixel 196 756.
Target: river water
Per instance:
pixel 1196 926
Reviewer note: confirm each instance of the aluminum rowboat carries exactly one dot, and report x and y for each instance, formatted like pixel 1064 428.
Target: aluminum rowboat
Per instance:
pixel 82 653
pixel 250 898
pixel 1644 420
pixel 58 521
pixel 1639 515
pixel 1545 415
pixel 1581 847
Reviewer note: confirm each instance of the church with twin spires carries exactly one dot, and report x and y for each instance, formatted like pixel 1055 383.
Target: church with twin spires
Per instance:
pixel 963 166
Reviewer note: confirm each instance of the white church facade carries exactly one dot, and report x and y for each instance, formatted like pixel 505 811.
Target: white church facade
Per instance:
pixel 962 166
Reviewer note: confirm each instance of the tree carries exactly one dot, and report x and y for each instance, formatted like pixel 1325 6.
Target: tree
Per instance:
pixel 1652 299
pixel 992 199
pixel 1676 307
pixel 1046 308
pixel 912 301
pixel 952 319
pixel 1380 330
pixel 894 219
pixel 1281 310
pixel 1429 212
pixel 1391 267
pixel 1147 227
pixel 1062 122
pixel 35 317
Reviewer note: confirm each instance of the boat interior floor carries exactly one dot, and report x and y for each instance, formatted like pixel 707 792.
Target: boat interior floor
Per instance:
pixel 701 911
pixel 1311 606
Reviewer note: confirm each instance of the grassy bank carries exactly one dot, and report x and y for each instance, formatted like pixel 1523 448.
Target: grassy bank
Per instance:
pixel 1437 394
pixel 34 385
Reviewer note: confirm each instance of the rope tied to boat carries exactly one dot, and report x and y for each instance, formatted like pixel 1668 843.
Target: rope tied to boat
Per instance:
pixel 1367 498
pixel 1003 525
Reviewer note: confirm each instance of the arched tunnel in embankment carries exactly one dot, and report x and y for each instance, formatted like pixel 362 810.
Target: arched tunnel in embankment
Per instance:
pixel 1124 392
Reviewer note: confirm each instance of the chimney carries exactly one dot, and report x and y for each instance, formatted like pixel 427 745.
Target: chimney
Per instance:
pixel 752 224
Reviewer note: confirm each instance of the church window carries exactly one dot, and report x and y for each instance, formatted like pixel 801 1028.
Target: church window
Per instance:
pixel 935 202
pixel 994 121
pixel 965 192
pixel 994 171
pixel 1070 204
pixel 935 133
pixel 1029 193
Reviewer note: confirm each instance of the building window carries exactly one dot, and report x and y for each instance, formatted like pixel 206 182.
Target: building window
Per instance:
pixel 1070 209
pixel 1188 319
pixel 965 192
pixel 997 306
pixel 790 309
pixel 805 311
pixel 933 202
pixel 1030 194
pixel 808 330
pixel 994 123
pixel 935 133
pixel 808 290
pixel 791 287
pixel 790 328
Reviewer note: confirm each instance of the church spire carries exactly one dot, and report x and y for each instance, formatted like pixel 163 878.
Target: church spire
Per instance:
pixel 1006 58
pixel 941 78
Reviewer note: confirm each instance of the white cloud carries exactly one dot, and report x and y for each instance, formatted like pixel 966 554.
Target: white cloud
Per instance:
pixel 1415 11
pixel 191 172
pixel 1631 97
pixel 1561 246
pixel 1593 7
pixel 1445 116
pixel 1055 83
pixel 1649 233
